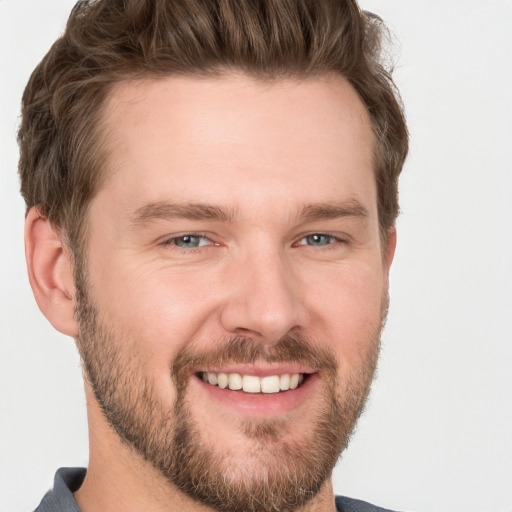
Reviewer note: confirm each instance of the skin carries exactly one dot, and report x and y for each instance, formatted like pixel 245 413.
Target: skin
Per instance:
pixel 261 152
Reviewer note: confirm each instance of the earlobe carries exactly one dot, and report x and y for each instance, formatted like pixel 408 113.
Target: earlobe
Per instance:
pixel 50 271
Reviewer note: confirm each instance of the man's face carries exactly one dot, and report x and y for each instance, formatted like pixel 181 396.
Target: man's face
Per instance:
pixel 236 239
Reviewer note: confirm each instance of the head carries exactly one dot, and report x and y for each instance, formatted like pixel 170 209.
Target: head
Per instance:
pixel 222 179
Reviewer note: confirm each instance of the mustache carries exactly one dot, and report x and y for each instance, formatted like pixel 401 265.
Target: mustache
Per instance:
pixel 240 350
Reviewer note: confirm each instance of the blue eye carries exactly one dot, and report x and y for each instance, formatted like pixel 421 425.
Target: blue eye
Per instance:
pixel 189 241
pixel 317 240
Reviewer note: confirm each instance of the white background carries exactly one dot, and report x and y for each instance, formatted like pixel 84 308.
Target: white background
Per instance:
pixel 437 435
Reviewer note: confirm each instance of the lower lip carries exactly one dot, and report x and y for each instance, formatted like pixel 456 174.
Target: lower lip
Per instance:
pixel 259 404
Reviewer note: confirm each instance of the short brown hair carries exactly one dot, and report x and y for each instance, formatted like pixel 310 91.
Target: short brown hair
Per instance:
pixel 107 41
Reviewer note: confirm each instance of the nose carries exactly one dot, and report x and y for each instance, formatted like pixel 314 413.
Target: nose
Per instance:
pixel 264 298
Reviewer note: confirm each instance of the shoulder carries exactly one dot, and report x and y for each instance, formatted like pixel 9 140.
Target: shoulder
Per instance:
pixel 60 498
pixel 344 504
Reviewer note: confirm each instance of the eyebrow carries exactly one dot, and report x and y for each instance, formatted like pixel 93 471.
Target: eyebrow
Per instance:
pixel 333 210
pixel 164 210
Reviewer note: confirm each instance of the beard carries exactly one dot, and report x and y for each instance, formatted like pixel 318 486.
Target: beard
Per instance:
pixel 277 472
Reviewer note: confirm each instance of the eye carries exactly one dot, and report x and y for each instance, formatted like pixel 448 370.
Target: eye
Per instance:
pixel 318 240
pixel 188 241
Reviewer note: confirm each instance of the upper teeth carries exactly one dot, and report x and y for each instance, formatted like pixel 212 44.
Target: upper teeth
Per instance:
pixel 254 384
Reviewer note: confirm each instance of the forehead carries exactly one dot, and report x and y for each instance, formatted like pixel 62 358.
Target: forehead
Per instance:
pixel 228 137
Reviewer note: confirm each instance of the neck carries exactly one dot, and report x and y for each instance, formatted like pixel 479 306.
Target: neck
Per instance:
pixel 120 479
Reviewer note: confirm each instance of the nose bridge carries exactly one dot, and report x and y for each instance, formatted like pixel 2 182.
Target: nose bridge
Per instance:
pixel 264 300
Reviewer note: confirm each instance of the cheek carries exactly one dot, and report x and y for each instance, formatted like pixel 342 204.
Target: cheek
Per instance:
pixel 162 308
pixel 152 315
pixel 347 311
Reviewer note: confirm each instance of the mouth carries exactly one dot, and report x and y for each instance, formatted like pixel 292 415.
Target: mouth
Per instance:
pixel 258 390
pixel 253 384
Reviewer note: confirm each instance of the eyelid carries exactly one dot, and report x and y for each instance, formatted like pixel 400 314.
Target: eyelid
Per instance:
pixel 337 237
pixel 168 240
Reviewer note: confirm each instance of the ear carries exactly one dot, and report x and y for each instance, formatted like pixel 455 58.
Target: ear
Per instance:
pixel 389 249
pixel 50 272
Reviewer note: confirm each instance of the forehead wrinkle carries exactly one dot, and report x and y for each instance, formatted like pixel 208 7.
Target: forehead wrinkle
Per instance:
pixel 165 210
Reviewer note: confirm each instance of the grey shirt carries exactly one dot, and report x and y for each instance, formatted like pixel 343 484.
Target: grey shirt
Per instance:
pixel 69 480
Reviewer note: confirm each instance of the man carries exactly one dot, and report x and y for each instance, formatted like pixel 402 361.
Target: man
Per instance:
pixel 211 191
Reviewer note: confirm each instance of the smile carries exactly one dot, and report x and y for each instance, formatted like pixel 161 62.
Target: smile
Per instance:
pixel 270 384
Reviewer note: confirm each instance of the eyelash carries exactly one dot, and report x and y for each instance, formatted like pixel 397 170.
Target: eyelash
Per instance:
pixel 335 241
pixel 171 242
